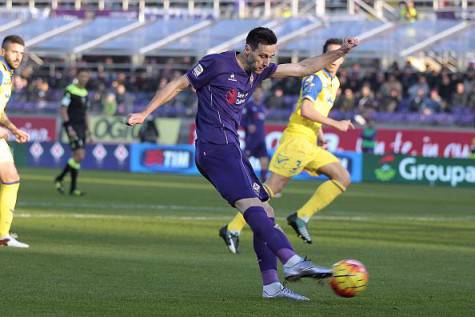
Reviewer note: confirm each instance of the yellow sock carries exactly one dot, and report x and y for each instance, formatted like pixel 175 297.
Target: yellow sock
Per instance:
pixel 8 195
pixel 237 223
pixel 322 197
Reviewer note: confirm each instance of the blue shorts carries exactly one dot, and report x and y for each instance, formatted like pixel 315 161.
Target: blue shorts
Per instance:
pixel 227 168
pixel 256 150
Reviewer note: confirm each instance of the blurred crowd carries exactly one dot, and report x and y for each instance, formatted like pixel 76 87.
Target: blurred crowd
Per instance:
pixel 396 89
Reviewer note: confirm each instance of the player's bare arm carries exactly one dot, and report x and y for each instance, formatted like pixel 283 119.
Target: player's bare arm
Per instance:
pixel 321 139
pixel 170 91
pixel 21 136
pixel 312 65
pixel 309 112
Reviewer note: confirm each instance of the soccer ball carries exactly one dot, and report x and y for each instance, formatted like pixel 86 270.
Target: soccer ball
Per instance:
pixel 349 278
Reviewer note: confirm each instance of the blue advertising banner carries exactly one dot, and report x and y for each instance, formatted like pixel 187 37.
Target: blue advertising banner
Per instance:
pixel 98 156
pixel 152 158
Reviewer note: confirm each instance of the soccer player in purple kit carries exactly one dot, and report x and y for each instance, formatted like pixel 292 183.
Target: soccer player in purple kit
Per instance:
pixel 223 83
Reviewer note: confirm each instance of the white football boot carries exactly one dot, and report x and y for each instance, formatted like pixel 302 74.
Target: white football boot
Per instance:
pixel 11 242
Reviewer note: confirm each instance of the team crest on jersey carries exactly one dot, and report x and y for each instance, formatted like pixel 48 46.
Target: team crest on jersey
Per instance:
pixel 231 96
pixel 232 77
pixel 251 79
pixel 256 187
pixel 198 70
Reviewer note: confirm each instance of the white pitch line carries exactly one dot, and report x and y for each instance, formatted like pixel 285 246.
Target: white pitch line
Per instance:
pixel 211 218
pixel 119 206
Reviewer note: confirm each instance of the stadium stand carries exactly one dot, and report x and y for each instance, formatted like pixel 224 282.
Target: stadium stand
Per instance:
pixel 419 71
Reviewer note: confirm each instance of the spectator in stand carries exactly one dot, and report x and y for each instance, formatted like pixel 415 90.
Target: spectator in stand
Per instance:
pixel 366 99
pixel 391 86
pixel 390 102
pixel 432 104
pixel 460 97
pixel 445 87
pixel 407 11
pixel 276 100
pixel 417 101
pixel 39 92
pixel 109 103
pixel 346 102
pixel 377 80
pixel 420 85
pixel 123 98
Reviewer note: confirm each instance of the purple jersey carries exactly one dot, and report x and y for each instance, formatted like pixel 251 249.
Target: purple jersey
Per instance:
pixel 223 89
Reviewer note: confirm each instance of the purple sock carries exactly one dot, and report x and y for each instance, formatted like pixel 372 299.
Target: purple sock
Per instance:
pixel 263 228
pixel 267 262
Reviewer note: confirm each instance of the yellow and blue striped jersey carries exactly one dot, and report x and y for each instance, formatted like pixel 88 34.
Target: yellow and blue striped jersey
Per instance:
pixel 321 89
pixel 6 77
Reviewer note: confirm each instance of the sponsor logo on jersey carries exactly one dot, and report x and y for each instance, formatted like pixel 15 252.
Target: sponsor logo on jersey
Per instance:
pixel 198 70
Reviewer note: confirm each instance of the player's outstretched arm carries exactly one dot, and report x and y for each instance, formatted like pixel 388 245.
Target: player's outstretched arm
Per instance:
pixel 312 65
pixel 162 96
pixel 309 112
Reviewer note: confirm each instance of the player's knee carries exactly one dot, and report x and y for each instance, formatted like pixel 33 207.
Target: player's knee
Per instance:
pixel 9 176
pixel 11 179
pixel 344 178
pixel 269 210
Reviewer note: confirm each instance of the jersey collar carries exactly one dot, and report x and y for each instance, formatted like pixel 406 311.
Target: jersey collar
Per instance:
pixel 328 73
pixel 2 59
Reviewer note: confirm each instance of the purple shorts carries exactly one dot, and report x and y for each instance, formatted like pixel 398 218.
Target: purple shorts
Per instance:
pixel 227 168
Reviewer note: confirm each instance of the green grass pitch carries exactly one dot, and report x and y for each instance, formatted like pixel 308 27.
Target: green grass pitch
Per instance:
pixel 147 245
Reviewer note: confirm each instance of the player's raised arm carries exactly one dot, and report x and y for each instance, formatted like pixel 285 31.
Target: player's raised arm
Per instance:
pixel 162 96
pixel 311 65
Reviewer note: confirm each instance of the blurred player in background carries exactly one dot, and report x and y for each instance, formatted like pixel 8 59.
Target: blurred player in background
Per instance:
pixel 13 48
pixel 73 111
pixel 224 82
pixel 253 119
pixel 303 147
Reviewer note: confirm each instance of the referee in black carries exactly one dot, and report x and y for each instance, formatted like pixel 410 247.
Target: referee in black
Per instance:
pixel 74 106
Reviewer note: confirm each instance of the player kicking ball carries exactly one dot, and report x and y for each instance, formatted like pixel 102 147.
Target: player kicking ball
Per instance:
pixel 223 83
pixel 302 147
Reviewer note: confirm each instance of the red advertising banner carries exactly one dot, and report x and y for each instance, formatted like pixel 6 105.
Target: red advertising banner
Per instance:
pixel 41 129
pixel 427 143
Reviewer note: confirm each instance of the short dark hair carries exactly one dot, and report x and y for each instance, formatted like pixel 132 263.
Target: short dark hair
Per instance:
pixel 12 39
pixel 261 35
pixel 333 41
pixel 82 70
